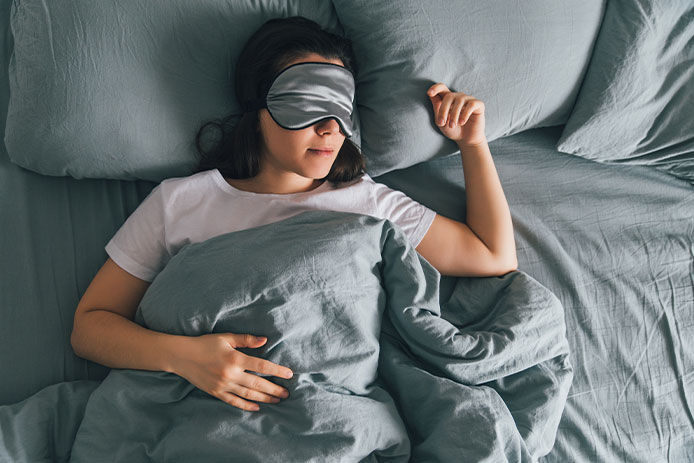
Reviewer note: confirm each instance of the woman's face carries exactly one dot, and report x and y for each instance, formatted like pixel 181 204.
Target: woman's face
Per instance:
pixel 290 151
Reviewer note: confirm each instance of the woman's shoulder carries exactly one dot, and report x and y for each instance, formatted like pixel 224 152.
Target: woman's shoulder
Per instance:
pixel 173 183
pixel 197 177
pixel 175 188
pixel 368 184
pixel 364 180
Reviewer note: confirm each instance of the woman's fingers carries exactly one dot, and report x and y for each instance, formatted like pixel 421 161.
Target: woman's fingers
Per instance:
pixel 456 109
pixel 452 108
pixel 251 393
pixel 238 402
pixel 465 115
pixel 262 386
pixel 436 103
pixel 256 383
pixel 435 94
pixel 265 367
pixel 442 116
pixel 436 89
pixel 251 387
pixel 449 107
pixel 472 106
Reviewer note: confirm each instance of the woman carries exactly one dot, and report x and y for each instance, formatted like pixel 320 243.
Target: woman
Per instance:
pixel 276 162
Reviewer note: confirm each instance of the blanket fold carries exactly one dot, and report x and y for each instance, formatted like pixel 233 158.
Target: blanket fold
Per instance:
pixel 382 370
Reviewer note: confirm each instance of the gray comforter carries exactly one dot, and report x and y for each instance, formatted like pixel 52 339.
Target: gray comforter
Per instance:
pixel 382 371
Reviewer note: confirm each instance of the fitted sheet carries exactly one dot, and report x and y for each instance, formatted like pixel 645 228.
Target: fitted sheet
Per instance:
pixel 614 243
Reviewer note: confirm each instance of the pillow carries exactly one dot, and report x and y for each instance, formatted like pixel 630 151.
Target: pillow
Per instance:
pixel 635 105
pixel 119 89
pixel 524 60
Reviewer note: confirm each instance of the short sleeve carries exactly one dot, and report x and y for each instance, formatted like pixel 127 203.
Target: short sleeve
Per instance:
pixel 139 246
pixel 414 218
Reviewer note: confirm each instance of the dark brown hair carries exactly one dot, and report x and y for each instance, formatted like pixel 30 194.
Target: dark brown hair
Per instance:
pixel 279 41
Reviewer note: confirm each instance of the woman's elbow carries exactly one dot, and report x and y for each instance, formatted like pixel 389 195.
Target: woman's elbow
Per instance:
pixel 490 267
pixel 507 264
pixel 503 263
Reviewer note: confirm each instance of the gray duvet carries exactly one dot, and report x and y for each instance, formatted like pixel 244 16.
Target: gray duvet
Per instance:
pixel 382 372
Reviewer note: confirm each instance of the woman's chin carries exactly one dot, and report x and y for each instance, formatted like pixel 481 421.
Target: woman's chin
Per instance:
pixel 318 172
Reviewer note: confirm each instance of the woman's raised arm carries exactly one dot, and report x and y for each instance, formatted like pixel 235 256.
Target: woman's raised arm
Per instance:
pixel 484 245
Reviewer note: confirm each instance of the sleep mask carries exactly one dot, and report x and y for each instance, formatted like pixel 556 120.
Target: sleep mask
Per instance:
pixel 306 93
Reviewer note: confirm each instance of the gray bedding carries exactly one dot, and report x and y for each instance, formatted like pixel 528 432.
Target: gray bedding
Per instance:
pixel 615 244
pixel 477 364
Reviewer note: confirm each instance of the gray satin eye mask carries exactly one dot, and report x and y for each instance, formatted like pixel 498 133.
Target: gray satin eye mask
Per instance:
pixel 306 93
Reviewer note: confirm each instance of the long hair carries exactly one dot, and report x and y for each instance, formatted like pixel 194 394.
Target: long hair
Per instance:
pixel 236 153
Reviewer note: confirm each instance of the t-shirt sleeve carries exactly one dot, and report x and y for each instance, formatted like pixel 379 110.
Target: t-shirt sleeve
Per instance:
pixel 139 246
pixel 413 217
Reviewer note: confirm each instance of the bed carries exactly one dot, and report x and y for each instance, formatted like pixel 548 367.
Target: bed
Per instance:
pixel 590 127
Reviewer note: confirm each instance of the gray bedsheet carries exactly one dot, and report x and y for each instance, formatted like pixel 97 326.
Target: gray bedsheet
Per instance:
pixel 614 243
pixel 472 378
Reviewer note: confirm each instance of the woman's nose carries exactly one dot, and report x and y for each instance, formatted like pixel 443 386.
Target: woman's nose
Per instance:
pixel 328 125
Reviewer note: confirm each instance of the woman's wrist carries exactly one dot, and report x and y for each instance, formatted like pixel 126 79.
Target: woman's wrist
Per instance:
pixel 474 145
pixel 174 348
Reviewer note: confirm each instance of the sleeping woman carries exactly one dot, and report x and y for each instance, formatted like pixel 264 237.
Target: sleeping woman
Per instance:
pixel 288 153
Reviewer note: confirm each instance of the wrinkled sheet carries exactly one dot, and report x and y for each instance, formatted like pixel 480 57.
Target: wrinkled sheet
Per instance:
pixel 614 243
pixel 382 372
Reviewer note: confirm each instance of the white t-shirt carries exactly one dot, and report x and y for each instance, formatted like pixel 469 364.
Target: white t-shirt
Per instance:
pixel 195 208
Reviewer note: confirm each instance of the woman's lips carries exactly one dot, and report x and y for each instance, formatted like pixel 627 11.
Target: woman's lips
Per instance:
pixel 322 152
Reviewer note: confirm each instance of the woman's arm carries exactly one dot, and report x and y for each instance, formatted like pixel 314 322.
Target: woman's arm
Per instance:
pixel 488 215
pixel 104 332
pixel 484 245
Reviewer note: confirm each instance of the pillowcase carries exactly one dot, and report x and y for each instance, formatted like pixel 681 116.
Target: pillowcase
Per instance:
pixel 635 105
pixel 524 60
pixel 119 89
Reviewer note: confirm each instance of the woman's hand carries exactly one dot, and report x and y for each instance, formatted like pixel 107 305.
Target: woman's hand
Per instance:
pixel 460 117
pixel 212 363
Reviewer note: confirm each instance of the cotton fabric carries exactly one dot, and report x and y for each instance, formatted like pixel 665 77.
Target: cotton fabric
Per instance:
pixel 192 209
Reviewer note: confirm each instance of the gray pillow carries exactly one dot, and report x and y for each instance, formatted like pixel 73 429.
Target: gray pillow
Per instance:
pixel 524 60
pixel 119 89
pixel 636 103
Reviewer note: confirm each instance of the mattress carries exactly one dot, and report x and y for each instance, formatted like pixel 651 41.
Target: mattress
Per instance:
pixel 614 243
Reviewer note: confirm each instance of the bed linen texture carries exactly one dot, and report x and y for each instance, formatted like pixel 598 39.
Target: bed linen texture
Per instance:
pixel 614 243
pixel 524 60
pixel 328 289
pixel 635 103
pixel 118 90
